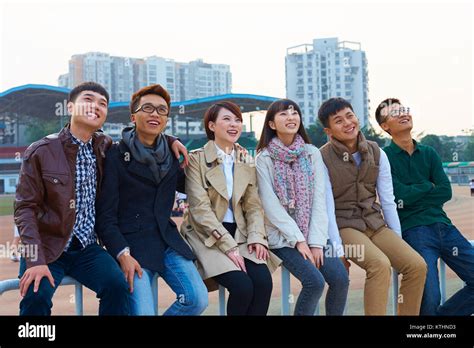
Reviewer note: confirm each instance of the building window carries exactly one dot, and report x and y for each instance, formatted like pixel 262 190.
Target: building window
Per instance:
pixel 12 182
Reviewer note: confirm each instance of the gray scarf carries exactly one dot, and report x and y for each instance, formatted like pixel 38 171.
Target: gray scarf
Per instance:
pixel 158 157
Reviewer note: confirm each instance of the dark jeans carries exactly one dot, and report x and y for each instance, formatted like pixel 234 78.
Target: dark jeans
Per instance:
pixel 91 266
pixel 249 293
pixel 446 242
pixel 313 279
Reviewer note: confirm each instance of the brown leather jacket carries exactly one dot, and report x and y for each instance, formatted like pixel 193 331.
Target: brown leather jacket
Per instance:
pixel 44 202
pixel 45 196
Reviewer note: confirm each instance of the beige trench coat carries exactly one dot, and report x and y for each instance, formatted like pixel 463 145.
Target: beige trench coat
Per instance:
pixel 208 202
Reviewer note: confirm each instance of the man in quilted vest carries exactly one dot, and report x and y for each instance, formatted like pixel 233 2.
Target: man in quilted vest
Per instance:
pixel 359 173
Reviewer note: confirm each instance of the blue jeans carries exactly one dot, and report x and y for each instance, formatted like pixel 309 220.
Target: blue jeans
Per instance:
pixel 313 279
pixel 91 266
pixel 446 242
pixel 182 276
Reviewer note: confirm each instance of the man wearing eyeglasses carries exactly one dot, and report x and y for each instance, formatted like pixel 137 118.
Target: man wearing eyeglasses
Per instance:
pixel 421 188
pixel 134 210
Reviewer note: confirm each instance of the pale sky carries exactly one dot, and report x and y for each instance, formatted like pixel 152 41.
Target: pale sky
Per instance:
pixel 418 51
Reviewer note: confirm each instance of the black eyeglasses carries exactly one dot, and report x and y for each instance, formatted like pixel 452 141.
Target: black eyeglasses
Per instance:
pixel 400 112
pixel 150 108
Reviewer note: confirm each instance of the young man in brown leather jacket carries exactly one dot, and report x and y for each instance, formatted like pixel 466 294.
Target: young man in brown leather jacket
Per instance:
pixel 55 210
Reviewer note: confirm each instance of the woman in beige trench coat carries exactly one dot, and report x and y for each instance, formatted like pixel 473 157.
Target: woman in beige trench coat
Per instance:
pixel 224 223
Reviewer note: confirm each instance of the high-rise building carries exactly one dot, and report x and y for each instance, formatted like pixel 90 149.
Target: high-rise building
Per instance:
pixel 122 81
pixel 324 69
pixel 201 79
pixel 92 66
pixel 121 76
pixel 162 71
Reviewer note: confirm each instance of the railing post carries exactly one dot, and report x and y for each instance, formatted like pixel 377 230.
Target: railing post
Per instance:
pixel 285 291
pixel 79 298
pixel 442 280
pixel 395 291
pixel 154 290
pixel 221 300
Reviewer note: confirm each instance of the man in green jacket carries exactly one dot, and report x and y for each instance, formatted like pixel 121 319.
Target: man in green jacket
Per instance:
pixel 421 188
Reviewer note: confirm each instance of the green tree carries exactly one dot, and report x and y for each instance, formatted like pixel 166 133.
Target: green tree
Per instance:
pixel 450 151
pixel 316 134
pixel 446 148
pixel 371 134
pixel 434 141
pixel 38 129
pixel 468 153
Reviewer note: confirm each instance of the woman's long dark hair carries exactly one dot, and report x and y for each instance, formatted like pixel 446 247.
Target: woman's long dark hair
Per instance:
pixel 268 134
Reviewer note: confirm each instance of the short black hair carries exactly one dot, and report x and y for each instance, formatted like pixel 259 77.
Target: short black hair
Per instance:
pixel 87 86
pixel 331 107
pixel 382 105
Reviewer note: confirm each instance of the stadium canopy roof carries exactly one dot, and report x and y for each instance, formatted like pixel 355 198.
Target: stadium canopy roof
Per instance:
pixel 44 101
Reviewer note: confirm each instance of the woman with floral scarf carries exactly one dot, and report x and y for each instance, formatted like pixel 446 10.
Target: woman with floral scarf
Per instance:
pixel 292 185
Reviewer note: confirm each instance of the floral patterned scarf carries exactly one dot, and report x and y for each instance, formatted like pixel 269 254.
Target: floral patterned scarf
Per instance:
pixel 294 179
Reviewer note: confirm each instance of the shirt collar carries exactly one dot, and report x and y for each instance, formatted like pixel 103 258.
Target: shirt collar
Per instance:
pixel 221 154
pixel 80 142
pixel 398 149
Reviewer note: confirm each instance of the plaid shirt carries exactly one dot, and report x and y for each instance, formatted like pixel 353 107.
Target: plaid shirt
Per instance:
pixel 86 184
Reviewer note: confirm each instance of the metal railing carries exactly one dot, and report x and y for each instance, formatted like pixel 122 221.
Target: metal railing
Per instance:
pixel 286 296
pixel 442 283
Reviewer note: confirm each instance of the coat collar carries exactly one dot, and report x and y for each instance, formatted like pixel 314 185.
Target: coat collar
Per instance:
pixel 210 153
pixel 140 169
pixel 397 149
pixel 216 176
pixel 100 141
pixel 342 150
